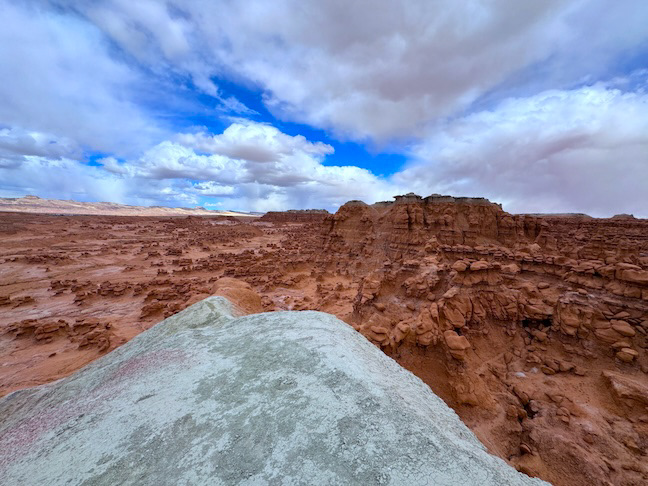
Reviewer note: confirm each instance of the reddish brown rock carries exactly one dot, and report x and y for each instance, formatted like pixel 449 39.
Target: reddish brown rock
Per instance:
pixel 511 319
pixel 458 345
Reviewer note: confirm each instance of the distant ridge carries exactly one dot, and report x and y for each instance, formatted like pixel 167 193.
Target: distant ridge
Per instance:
pixel 35 204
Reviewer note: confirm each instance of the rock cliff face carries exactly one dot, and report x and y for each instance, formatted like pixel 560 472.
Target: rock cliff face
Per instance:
pixel 275 398
pixel 525 324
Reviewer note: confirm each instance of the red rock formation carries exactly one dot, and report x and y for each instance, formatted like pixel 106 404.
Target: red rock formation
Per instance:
pixel 295 216
pixel 533 328
pixel 515 320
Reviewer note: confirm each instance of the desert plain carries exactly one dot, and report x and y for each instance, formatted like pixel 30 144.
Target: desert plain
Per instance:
pixel 533 328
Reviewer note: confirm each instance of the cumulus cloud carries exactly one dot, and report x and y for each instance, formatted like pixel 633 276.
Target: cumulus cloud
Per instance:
pixel 16 143
pixel 257 167
pixel 255 142
pixel 253 166
pixel 582 150
pixel 59 78
pixel 59 179
pixel 377 69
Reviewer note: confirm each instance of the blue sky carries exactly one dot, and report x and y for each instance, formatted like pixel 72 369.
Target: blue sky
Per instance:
pixel 255 105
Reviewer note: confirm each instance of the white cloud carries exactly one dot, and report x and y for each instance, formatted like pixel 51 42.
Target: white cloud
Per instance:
pixel 583 150
pixel 257 167
pixel 59 179
pixel 378 69
pixel 214 189
pixel 256 142
pixel 250 166
pixel 15 143
pixel 58 77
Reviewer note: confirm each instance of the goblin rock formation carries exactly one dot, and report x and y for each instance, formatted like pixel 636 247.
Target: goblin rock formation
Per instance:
pixel 532 328
pixel 526 325
pixel 274 398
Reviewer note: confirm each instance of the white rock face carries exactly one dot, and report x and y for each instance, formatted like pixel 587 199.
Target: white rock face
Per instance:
pixel 284 398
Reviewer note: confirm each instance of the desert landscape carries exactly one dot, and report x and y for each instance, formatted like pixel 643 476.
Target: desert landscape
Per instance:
pixel 533 328
pixel 323 243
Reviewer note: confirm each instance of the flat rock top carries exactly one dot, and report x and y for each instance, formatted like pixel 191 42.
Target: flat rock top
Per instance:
pixel 208 398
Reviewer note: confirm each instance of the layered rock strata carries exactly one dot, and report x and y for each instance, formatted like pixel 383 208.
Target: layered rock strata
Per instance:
pixel 533 328
pixel 524 324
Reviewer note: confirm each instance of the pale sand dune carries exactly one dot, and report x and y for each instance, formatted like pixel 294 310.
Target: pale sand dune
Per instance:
pixel 34 204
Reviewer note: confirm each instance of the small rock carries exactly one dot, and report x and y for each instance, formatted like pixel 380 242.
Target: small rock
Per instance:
pixel 623 328
pixel 457 344
pixel 621 344
pixel 627 355
pixel 479 265
pixel 547 371
pixel 460 266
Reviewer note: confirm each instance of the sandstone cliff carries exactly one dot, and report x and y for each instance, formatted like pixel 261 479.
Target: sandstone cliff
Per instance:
pixel 525 324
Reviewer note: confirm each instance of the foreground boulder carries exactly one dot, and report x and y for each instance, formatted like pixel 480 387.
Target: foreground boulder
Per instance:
pixel 208 398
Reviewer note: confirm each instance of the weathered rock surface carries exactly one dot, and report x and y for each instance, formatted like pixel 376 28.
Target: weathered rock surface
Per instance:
pixel 513 320
pixel 524 324
pixel 274 398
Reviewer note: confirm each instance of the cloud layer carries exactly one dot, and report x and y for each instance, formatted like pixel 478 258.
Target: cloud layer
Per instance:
pixel 58 78
pixel 254 166
pixel 372 69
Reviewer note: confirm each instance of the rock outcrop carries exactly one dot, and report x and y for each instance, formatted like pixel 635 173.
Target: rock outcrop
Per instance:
pixel 515 320
pixel 295 216
pixel 533 328
pixel 274 398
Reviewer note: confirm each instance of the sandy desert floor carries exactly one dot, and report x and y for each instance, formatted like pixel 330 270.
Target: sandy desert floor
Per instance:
pixel 534 334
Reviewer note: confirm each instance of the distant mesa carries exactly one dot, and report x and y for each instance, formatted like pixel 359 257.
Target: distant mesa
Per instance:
pixel 295 216
pixel 433 199
pixel 35 204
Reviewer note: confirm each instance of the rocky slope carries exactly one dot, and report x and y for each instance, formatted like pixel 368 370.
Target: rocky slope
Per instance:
pixel 274 398
pixel 295 216
pixel 532 328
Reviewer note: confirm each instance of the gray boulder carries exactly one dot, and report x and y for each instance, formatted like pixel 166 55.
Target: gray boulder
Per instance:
pixel 283 398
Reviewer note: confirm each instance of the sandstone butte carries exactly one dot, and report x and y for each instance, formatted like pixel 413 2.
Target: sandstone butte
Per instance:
pixel 532 328
pixel 274 398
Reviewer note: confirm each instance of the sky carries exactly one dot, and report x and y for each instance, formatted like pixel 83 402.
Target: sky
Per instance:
pixel 255 105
